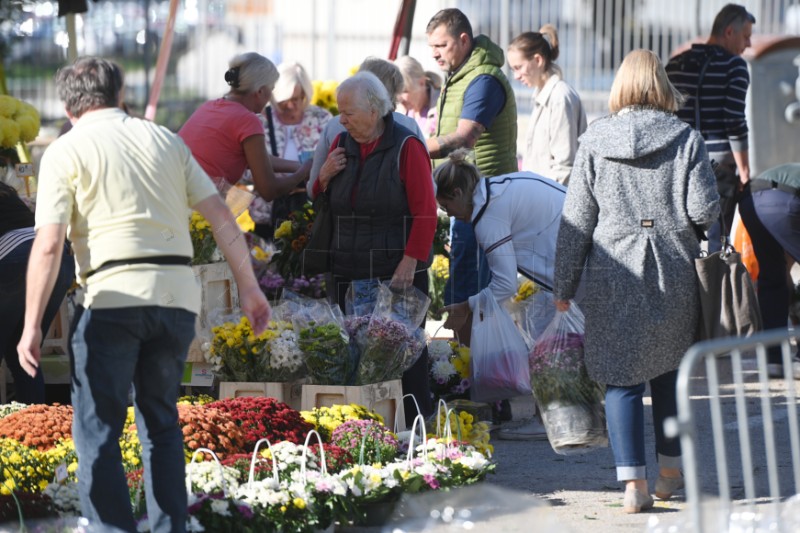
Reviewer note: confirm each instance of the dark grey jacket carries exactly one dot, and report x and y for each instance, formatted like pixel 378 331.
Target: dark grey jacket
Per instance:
pixel 641 180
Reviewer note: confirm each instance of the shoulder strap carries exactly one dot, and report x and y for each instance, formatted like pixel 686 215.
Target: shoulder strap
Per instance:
pixel 700 77
pixel 478 217
pixel 273 144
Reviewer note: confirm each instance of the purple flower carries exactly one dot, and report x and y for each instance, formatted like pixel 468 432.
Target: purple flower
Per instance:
pixel 431 480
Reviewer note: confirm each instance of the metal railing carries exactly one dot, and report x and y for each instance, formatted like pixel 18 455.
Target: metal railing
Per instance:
pixel 594 35
pixel 731 406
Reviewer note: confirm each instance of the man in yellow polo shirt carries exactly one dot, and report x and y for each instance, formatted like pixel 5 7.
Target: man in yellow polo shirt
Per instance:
pixel 123 188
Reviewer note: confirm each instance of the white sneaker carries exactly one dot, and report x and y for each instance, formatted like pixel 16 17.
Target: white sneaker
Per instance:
pixel 529 430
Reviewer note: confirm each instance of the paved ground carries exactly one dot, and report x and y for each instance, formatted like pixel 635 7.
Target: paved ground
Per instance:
pixel 580 494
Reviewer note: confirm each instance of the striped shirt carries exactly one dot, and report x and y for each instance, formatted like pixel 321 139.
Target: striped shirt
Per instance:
pixel 723 123
pixel 14 238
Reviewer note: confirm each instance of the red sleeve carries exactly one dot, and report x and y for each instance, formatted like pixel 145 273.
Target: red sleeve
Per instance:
pixel 316 189
pixel 415 173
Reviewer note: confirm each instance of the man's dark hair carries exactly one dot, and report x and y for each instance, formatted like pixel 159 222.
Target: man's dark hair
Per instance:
pixel 454 20
pixel 89 83
pixel 732 14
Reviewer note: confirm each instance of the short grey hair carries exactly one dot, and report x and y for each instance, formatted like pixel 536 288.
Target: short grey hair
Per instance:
pixel 89 83
pixel 372 94
pixel 250 71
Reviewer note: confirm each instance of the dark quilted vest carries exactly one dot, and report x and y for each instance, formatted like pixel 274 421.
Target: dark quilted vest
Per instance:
pixel 371 216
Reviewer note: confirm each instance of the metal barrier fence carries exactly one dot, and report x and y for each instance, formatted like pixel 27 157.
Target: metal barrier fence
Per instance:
pixel 733 385
pixel 594 37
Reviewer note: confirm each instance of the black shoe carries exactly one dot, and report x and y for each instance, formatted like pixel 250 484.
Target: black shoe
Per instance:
pixel 501 412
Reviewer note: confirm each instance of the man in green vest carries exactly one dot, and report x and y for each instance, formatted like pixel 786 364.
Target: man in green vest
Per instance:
pixel 476 111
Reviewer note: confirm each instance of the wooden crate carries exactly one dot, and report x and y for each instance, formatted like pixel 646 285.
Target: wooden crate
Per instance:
pixel 219 294
pixel 57 339
pixel 385 398
pixel 289 393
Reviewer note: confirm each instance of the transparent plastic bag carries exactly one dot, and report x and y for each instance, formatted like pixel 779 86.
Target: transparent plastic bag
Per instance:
pixel 322 337
pixel 533 315
pixel 571 403
pixel 392 341
pixel 499 353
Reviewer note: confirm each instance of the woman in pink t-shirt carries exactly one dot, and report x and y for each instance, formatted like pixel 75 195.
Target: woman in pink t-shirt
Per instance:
pixel 226 136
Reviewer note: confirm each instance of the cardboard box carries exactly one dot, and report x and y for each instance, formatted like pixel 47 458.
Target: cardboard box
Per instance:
pixel 289 392
pixel 220 294
pixel 385 398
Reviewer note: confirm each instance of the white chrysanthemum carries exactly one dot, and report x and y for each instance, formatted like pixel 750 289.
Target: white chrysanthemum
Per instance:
pixel 439 349
pixel 221 507
pixel 207 477
pixel 442 370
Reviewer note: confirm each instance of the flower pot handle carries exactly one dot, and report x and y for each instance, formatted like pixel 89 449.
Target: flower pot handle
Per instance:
pixel 221 471
pixel 397 410
pixel 439 405
pixel 253 463
pixel 421 420
pixel 323 467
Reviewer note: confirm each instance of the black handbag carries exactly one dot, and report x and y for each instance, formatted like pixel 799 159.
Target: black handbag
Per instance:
pixel 317 253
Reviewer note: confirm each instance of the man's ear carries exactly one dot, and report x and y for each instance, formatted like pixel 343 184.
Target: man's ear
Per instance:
pixel 464 39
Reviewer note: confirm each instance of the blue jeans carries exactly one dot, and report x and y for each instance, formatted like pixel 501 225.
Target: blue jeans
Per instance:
pixel 772 219
pixel 13 272
pixel 625 417
pixel 112 348
pixel 469 269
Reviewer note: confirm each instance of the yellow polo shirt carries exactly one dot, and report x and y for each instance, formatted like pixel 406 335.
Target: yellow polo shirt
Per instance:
pixel 125 187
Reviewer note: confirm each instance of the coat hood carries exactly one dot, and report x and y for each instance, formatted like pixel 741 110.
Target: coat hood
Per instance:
pixel 633 133
pixel 486 52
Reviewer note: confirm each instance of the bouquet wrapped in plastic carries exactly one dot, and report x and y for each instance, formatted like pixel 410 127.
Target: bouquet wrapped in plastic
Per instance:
pixel 322 339
pixel 571 402
pixel 388 340
pixel 238 355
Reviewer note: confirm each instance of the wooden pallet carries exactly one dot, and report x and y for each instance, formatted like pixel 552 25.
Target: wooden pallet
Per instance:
pixel 289 393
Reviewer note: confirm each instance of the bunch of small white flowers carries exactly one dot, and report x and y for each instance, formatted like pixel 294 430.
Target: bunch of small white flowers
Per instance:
pixel 439 350
pixel 442 370
pixel 65 498
pixel 212 359
pixel 206 477
pixel 264 493
pixel 285 351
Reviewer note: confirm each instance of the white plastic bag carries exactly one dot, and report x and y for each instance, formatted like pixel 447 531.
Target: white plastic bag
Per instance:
pixel 499 353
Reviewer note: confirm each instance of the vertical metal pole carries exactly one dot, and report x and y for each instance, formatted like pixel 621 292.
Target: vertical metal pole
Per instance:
pixel 72 46
pixel 331 47
pixel 314 39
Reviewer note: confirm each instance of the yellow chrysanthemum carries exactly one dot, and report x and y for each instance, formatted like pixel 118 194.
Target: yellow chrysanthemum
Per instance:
pixel 284 230
pixel 245 221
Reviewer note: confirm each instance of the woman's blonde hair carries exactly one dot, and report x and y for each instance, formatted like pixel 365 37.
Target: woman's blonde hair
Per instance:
pixel 456 173
pixel 250 71
pixel 641 80
pixel 292 75
pixel 412 72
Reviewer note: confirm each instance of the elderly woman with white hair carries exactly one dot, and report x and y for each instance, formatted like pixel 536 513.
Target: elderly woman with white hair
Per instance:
pixel 293 129
pixel 226 137
pixel 382 201
pixel 391 77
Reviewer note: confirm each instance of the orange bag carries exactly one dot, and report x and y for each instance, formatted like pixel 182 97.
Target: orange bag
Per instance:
pixel 742 243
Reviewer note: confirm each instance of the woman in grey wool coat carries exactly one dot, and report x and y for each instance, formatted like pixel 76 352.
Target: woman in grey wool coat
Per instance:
pixel 640 185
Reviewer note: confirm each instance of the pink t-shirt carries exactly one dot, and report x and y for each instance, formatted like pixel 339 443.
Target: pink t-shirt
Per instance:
pixel 215 132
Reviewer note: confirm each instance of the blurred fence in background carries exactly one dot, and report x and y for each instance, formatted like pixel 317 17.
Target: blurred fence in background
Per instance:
pixel 329 37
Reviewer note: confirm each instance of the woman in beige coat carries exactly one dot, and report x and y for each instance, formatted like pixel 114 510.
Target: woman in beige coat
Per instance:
pixel 558 117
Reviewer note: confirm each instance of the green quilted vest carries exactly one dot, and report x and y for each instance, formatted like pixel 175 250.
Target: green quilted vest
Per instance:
pixel 496 149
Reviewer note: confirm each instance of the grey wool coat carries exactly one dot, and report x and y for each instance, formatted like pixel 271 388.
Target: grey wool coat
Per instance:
pixel 641 179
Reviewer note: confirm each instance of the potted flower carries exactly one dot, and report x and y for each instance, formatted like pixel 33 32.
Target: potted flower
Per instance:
pixel 448 369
